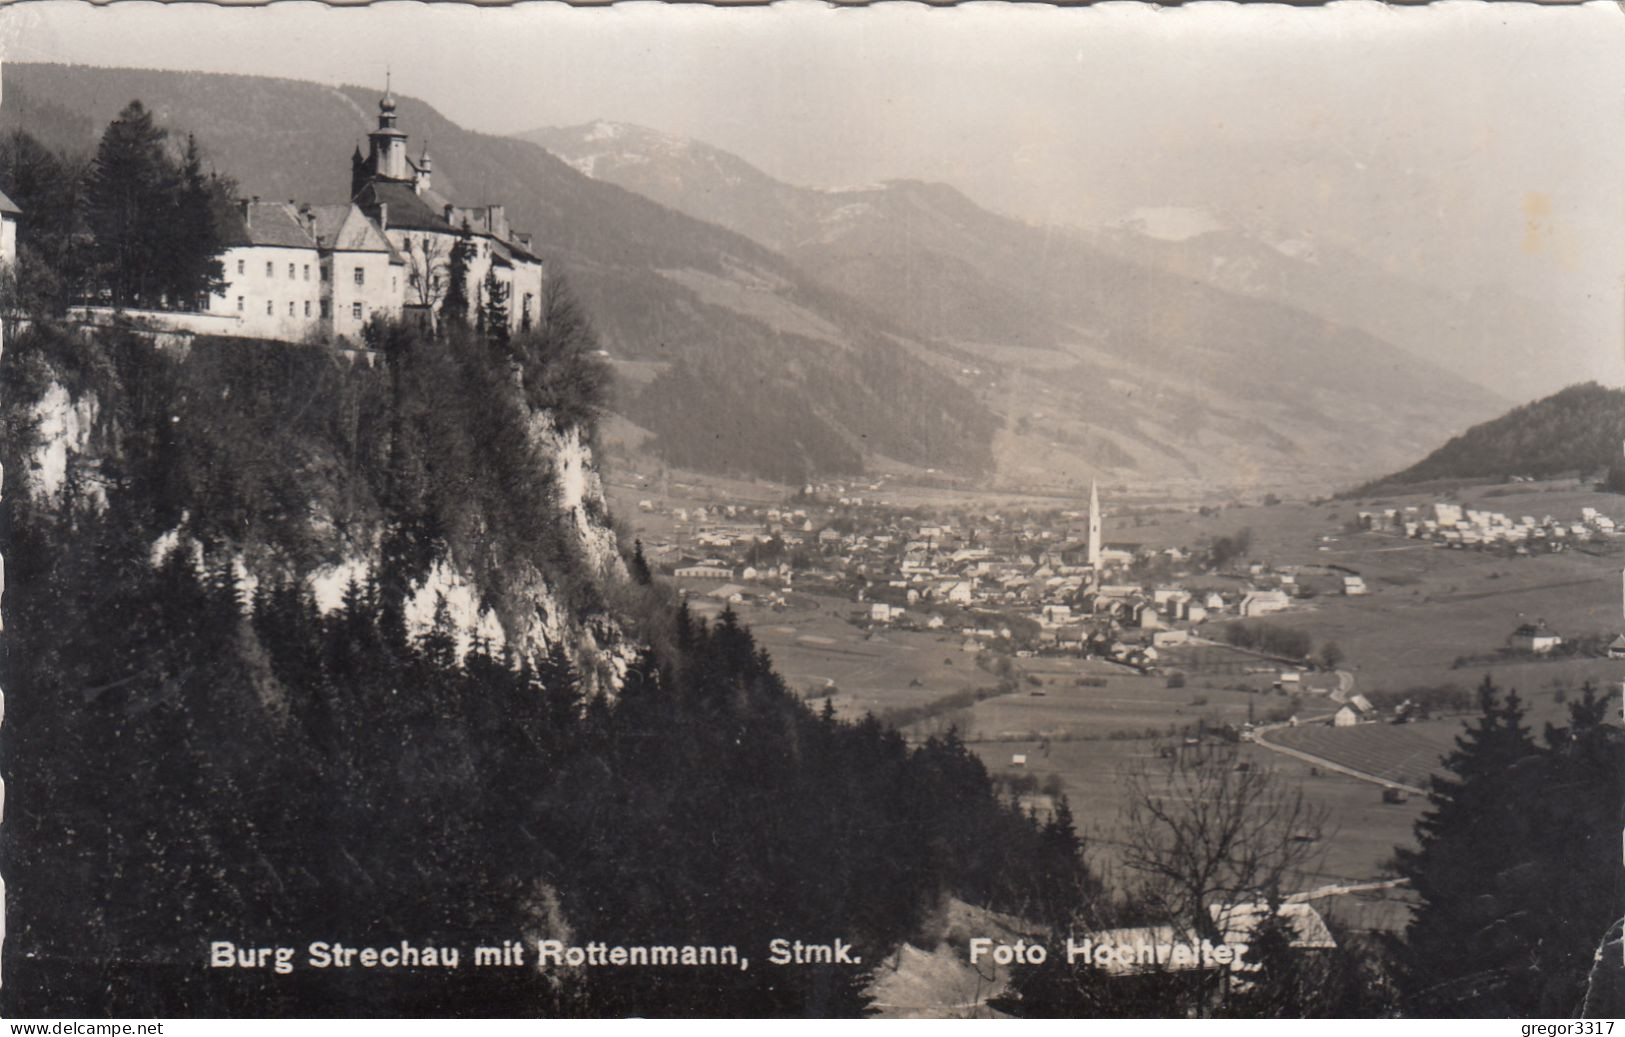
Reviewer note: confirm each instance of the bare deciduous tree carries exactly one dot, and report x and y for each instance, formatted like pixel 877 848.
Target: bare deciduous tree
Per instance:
pixel 1212 830
pixel 428 262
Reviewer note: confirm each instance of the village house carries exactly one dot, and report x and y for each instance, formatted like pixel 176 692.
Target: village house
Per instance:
pixel 1358 710
pixel 707 569
pixel 1534 638
pixel 1262 603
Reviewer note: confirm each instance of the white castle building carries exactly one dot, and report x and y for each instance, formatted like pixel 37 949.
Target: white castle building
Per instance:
pixel 296 271
pixel 8 230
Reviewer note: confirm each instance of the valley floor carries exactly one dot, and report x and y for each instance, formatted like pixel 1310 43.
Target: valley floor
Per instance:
pixel 1433 616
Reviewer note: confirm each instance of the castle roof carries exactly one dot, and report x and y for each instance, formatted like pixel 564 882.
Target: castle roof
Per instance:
pixel 345 228
pixel 275 224
pixel 406 209
pixel 8 206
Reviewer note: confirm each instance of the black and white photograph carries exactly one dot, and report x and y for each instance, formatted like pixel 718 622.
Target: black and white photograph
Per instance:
pixel 995 510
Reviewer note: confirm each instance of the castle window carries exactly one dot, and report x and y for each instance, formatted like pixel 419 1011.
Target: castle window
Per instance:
pixel 307 307
pixel 239 304
pixel 307 271
pixel 324 307
pixel 324 271
pixel 291 274
pixel 360 275
pixel 269 311
pixel 290 308
pixel 270 269
pixel 355 310
pixel 241 263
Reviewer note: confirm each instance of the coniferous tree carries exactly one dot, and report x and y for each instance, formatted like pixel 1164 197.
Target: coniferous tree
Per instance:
pixel 640 565
pixel 54 249
pixel 154 221
pixel 195 270
pixel 494 308
pixel 454 306
pixel 1456 957
pixel 131 201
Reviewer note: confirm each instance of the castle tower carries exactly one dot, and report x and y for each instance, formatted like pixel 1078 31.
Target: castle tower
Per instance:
pixel 1094 526
pixel 387 144
pixel 421 173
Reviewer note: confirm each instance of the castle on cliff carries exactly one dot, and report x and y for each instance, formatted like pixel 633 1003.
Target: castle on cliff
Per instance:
pixel 295 271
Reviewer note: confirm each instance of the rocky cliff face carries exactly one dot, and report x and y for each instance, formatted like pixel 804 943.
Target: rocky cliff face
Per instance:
pixel 481 581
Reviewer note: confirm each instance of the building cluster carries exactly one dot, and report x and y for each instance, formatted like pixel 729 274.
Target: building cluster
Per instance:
pixel 1042 587
pixel 1453 525
pixel 295 271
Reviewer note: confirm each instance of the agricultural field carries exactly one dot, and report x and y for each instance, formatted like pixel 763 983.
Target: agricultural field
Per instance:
pixel 1074 739
pixel 1405 753
pixel 1357 843
pixel 819 654
pixel 1436 606
pixel 1063 698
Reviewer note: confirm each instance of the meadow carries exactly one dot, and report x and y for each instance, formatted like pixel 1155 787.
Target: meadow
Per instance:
pixel 821 655
pixel 1405 753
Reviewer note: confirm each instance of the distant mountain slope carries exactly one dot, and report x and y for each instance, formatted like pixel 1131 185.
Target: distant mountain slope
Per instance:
pixel 661 286
pixel 1490 336
pixel 819 332
pixel 1581 428
pixel 1096 359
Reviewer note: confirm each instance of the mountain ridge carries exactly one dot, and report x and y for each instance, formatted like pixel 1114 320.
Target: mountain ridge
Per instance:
pixel 1066 321
pixel 908 330
pixel 1577 429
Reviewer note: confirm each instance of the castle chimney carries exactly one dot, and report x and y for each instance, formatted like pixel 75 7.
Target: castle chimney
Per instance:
pixel 383 215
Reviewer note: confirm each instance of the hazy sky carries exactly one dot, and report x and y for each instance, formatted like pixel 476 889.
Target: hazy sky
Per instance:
pixel 1461 144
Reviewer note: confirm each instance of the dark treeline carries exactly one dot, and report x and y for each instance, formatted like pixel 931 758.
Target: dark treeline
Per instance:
pixel 1576 429
pixel 141 223
pixel 192 760
pixel 1517 869
pixel 1269 638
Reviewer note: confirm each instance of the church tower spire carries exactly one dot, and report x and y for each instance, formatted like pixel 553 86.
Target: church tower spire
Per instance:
pixel 1094 527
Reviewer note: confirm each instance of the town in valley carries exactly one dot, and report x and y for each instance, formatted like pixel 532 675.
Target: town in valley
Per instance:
pixel 1338 640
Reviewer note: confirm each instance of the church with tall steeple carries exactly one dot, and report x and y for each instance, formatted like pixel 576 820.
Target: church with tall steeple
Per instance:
pixel 1094 528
